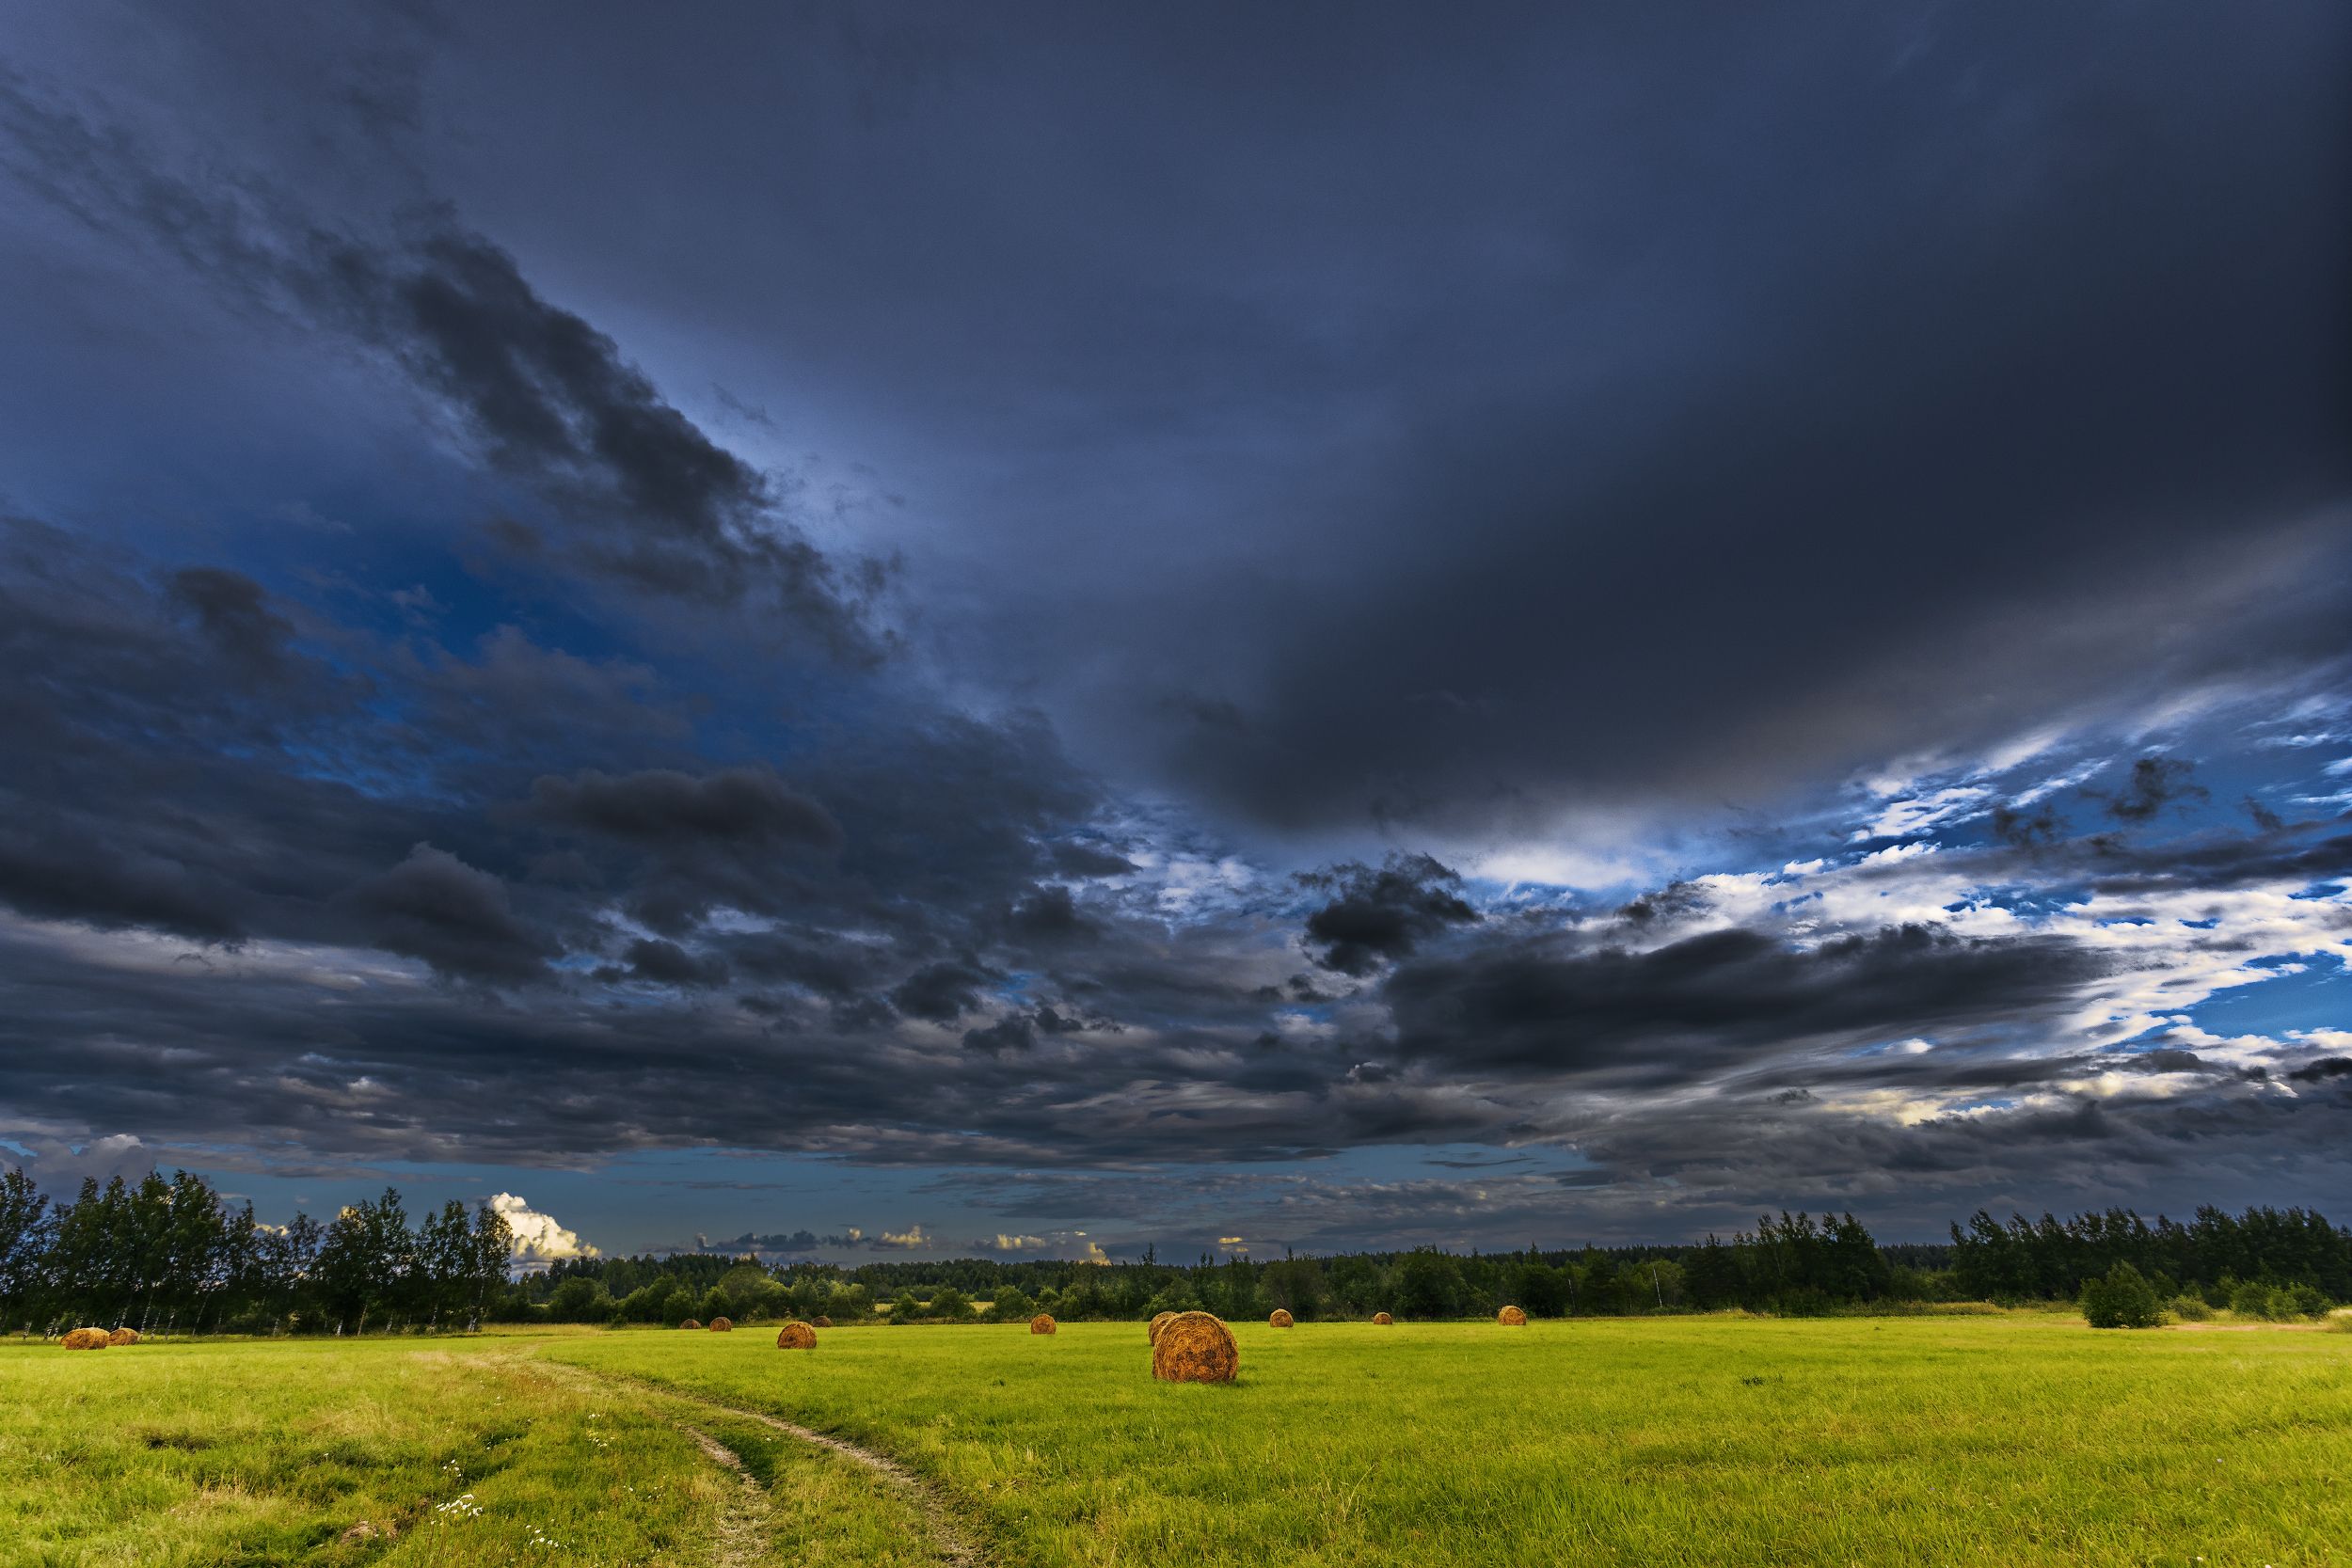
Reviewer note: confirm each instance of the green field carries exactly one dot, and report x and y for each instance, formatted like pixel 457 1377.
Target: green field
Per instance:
pixel 2010 1439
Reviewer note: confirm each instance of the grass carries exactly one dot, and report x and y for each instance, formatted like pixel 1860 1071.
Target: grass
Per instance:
pixel 394 1452
pixel 2024 1438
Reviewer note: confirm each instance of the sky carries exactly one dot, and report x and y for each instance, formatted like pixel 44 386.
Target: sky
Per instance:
pixel 1048 630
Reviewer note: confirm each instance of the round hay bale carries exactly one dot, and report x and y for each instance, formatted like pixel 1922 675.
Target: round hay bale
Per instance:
pixel 797 1335
pixel 823 1322
pixel 1194 1347
pixel 123 1337
pixel 691 1322
pixel 1159 1320
pixel 1382 1319
pixel 1511 1317
pixel 1279 1319
pixel 722 1325
pixel 1043 1323
pixel 87 1338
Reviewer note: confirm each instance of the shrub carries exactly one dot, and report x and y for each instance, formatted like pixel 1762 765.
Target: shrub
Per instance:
pixel 2124 1299
pixel 1511 1317
pixel 1042 1324
pixel 797 1335
pixel 1281 1319
pixel 1194 1347
pixel 2255 1299
pixel 1382 1319
pixel 2190 1310
pixel 2308 1301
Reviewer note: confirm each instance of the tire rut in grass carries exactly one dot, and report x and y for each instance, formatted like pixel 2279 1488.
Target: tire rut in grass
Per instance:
pixel 950 1541
pixel 742 1541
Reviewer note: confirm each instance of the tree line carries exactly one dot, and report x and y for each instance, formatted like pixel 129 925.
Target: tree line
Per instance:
pixel 167 1255
pixel 2267 1262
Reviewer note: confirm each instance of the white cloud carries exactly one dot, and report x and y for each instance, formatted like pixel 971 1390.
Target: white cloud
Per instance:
pixel 911 1238
pixel 1917 814
pixel 539 1239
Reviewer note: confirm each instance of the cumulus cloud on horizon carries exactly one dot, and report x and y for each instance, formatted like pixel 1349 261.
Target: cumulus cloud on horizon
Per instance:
pixel 539 1239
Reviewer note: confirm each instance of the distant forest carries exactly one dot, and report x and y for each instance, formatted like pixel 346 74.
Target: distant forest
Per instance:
pixel 168 1255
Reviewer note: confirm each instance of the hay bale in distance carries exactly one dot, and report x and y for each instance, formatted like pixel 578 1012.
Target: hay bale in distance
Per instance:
pixel 87 1338
pixel 722 1325
pixel 691 1322
pixel 1043 1323
pixel 1194 1347
pixel 1279 1319
pixel 1159 1320
pixel 824 1322
pixel 123 1337
pixel 796 1334
pixel 1511 1317
pixel 1382 1319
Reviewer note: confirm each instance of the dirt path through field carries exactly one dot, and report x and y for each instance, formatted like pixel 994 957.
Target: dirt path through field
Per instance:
pixel 742 1538
pixel 950 1541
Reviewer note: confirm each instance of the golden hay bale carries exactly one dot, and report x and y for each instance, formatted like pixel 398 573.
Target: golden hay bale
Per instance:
pixel 1043 1323
pixel 87 1338
pixel 1159 1320
pixel 1194 1347
pixel 823 1322
pixel 797 1335
pixel 1281 1319
pixel 1511 1317
pixel 691 1322
pixel 123 1337
pixel 722 1325
pixel 1382 1319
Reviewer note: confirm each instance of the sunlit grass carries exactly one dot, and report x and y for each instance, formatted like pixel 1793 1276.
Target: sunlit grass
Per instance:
pixel 327 1452
pixel 2019 1438
pixel 2022 1439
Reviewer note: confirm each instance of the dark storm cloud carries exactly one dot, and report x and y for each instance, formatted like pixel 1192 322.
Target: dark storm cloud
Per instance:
pixel 1328 423
pixel 435 906
pixel 2155 782
pixel 634 492
pixel 737 808
pixel 1712 1000
pixel 665 508
pixel 1383 914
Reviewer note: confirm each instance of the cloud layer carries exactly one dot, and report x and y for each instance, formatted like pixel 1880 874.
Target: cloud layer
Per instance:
pixel 1782 643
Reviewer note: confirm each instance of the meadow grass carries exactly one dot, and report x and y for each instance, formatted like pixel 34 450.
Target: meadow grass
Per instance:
pixel 2024 1438
pixel 402 1452
pixel 2019 1438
